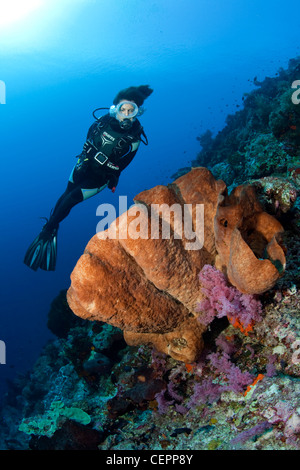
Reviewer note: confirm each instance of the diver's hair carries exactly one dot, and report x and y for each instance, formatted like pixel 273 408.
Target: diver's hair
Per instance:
pixel 138 94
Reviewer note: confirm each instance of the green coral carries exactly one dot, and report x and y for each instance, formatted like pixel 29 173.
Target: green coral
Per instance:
pixel 264 156
pixel 223 171
pixel 261 139
pixel 284 120
pixel 47 424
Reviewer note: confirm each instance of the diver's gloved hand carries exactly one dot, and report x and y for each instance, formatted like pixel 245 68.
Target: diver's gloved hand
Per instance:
pixel 85 147
pixel 113 173
pixel 88 147
pixel 113 182
pixel 89 150
pixel 82 163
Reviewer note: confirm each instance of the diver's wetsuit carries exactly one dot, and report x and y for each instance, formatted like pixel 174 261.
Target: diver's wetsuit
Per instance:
pixel 108 150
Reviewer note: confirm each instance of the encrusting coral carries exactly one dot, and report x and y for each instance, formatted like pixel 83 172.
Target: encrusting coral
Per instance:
pixel 148 286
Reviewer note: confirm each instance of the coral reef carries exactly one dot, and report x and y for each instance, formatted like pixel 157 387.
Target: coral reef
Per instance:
pixel 261 139
pixel 265 155
pixel 278 195
pixel 47 424
pixel 148 286
pixel 242 393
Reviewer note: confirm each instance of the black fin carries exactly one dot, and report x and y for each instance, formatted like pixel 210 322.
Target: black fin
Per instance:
pixel 34 253
pixel 48 261
pixel 42 251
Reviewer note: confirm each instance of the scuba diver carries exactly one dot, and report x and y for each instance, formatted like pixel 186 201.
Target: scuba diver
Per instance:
pixel 112 142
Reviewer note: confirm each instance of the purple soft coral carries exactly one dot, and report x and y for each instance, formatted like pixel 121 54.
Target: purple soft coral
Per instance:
pixel 236 380
pixel 227 377
pixel 223 300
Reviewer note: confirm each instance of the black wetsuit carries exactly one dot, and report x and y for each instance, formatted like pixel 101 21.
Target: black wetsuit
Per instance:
pixel 107 152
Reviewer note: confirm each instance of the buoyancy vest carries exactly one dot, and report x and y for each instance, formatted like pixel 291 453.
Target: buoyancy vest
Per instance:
pixel 111 143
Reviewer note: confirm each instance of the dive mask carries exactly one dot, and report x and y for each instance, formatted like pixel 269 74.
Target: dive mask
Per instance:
pixel 125 112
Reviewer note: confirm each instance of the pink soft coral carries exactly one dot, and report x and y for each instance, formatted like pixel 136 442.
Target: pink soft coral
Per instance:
pixel 224 300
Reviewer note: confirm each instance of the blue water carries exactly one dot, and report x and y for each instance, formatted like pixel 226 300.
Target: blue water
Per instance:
pixel 70 56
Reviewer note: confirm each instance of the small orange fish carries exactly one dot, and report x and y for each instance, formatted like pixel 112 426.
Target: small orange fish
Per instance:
pixel 259 377
pixel 237 324
pixel 189 368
